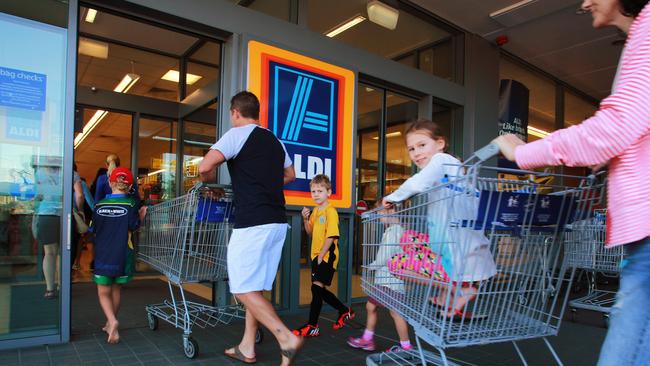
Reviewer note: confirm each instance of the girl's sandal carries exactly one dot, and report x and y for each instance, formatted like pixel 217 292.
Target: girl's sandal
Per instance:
pixel 50 294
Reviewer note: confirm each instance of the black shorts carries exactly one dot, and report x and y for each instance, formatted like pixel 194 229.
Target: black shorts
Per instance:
pixel 323 272
pixel 48 229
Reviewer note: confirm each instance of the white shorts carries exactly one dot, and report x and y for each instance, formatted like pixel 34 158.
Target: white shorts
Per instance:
pixel 253 257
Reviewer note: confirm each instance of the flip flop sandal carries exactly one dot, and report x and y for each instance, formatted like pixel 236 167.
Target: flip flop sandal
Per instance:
pixel 237 355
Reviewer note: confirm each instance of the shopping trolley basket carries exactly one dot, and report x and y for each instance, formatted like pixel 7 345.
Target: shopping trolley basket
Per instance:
pixel 585 250
pixel 185 239
pixel 502 241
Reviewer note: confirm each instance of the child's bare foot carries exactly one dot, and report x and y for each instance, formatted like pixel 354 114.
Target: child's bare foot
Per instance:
pixel 105 327
pixel 290 350
pixel 113 333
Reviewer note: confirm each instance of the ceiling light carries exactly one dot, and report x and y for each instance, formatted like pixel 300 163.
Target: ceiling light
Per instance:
pixel 173 75
pixel 90 47
pixel 382 14
pixel 124 85
pixel 390 134
pixel 156 172
pixel 510 8
pixel 189 142
pixel 127 82
pixel 90 15
pixel 537 132
pixel 92 123
pixel 345 26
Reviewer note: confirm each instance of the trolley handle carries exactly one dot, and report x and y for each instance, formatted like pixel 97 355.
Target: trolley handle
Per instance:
pixel 218 191
pixel 481 155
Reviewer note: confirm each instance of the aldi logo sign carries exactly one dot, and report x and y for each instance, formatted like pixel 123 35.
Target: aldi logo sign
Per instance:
pixel 308 120
pixel 308 104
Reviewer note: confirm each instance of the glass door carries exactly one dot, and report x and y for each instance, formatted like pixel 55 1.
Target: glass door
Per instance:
pixel 32 164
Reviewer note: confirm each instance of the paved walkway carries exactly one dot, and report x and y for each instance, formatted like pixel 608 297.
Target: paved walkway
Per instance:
pixel 577 344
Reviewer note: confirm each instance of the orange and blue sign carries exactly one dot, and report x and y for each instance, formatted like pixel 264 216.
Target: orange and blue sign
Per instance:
pixel 309 105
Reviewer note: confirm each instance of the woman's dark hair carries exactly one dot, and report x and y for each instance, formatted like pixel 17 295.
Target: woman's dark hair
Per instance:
pixel 431 128
pixel 632 8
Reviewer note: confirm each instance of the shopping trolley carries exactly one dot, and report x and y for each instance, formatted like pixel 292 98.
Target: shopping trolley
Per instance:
pixel 185 239
pixel 517 228
pixel 585 250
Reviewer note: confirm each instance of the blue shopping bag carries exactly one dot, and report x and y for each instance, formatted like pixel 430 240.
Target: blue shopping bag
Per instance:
pixel 210 210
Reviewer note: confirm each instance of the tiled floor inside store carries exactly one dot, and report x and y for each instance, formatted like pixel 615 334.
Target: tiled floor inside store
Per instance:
pixel 577 343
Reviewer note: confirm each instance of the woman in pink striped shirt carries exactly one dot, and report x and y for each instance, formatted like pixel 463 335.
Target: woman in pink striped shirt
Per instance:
pixel 618 136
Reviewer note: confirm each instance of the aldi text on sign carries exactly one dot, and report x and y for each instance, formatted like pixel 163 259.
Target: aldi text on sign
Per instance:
pixel 308 105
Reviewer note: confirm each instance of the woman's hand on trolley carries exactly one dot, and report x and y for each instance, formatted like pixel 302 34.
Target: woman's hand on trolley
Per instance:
pixel 508 144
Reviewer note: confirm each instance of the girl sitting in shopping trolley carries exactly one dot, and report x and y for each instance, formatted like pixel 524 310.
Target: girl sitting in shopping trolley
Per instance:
pixel 453 261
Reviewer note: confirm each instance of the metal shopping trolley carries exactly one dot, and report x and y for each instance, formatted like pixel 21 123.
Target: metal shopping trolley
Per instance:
pixel 585 250
pixel 517 290
pixel 185 239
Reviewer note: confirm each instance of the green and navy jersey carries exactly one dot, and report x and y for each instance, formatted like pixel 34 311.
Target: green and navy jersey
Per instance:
pixel 114 219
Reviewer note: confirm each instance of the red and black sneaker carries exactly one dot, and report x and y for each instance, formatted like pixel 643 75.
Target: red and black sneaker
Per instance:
pixel 307 330
pixel 343 318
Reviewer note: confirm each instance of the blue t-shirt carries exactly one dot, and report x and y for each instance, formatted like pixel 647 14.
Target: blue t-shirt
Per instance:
pixel 114 219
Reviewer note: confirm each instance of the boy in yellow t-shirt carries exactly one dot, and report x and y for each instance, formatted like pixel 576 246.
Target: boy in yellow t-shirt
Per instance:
pixel 323 226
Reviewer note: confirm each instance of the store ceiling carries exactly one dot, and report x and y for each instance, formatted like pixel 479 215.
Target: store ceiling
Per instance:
pixel 546 33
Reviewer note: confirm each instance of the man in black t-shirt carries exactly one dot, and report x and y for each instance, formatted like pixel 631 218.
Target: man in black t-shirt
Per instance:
pixel 259 167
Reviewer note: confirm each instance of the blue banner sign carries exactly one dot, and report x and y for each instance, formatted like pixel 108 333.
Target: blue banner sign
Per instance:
pixel 22 89
pixel 515 209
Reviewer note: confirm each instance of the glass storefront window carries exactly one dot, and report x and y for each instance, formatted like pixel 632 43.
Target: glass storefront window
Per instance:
pixel 32 115
pixel 576 109
pixel 541 104
pixel 197 139
pixel 145 69
pixel 112 49
pixel 411 37
pixel 199 75
pixel 111 135
pixel 400 112
pixel 156 160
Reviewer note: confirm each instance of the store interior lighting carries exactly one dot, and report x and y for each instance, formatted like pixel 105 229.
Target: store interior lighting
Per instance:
pixel 175 76
pixel 382 14
pixel 390 134
pixel 90 15
pixel 122 87
pixel 345 26
pixel 537 132
pixel 93 48
pixel 189 142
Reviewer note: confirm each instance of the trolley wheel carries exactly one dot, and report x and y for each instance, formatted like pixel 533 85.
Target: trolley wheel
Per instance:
pixel 606 320
pixel 153 321
pixel 259 336
pixel 190 347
